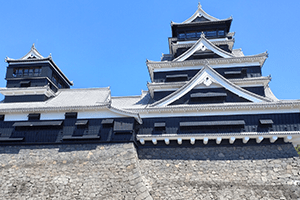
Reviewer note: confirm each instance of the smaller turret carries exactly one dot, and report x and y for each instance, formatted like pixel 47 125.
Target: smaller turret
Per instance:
pixel 33 78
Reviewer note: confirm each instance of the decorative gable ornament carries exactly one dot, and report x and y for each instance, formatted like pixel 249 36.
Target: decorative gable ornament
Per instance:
pixel 202 47
pixel 32 54
pixel 207 81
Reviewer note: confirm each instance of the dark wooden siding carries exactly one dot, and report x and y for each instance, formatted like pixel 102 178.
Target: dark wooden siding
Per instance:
pixel 246 72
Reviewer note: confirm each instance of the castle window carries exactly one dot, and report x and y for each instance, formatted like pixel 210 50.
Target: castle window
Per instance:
pixel 54 79
pixel 176 77
pixel 20 72
pixel 123 127
pixel 211 33
pixel 37 71
pixel 159 126
pixel 221 33
pixel 190 35
pixel 30 73
pixel 26 72
pixel 181 36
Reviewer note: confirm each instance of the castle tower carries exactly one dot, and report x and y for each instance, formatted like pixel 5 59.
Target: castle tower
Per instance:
pixel 33 78
pixel 205 90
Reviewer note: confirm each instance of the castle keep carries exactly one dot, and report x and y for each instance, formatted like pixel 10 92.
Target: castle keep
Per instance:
pixel 208 127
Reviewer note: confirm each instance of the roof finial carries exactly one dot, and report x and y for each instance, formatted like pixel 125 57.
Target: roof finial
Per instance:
pixel 33 46
pixel 199 5
pixel 202 35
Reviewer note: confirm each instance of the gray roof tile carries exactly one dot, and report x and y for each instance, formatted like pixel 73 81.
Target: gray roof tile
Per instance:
pixel 66 98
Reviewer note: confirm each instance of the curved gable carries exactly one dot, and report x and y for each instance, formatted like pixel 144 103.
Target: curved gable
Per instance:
pixel 199 15
pixel 207 76
pixel 201 45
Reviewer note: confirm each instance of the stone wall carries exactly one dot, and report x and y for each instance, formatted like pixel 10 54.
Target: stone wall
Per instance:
pixel 116 171
pixel 250 172
pixel 71 172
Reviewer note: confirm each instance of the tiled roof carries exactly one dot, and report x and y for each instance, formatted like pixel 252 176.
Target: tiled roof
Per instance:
pixel 64 99
pixel 238 52
pixel 81 97
pixel 138 102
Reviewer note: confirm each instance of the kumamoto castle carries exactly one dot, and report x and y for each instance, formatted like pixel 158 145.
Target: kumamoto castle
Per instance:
pixel 209 127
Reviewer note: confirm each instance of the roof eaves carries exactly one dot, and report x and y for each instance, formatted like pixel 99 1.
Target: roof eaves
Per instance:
pixel 48 108
pixel 221 107
pixel 228 20
pixel 126 112
pixel 60 72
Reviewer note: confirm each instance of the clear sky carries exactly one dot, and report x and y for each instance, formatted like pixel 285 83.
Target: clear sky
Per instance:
pixel 106 43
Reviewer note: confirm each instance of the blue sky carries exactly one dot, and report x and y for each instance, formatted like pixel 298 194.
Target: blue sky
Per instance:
pixel 106 43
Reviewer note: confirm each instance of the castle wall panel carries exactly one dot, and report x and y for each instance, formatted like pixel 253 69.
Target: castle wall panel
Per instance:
pixel 282 122
pixel 93 132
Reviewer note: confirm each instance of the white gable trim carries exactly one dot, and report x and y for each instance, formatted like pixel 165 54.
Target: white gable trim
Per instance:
pixel 246 82
pixel 200 13
pixel 32 54
pixel 207 76
pixel 126 113
pixel 203 44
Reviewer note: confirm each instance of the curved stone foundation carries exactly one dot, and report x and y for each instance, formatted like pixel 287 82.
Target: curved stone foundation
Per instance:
pixel 119 171
pixel 71 172
pixel 249 172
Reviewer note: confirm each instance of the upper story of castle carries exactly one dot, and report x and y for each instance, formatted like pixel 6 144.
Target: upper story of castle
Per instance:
pixel 203 67
pixel 200 25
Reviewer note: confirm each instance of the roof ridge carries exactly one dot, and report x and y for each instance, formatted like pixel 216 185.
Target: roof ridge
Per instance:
pixel 69 89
